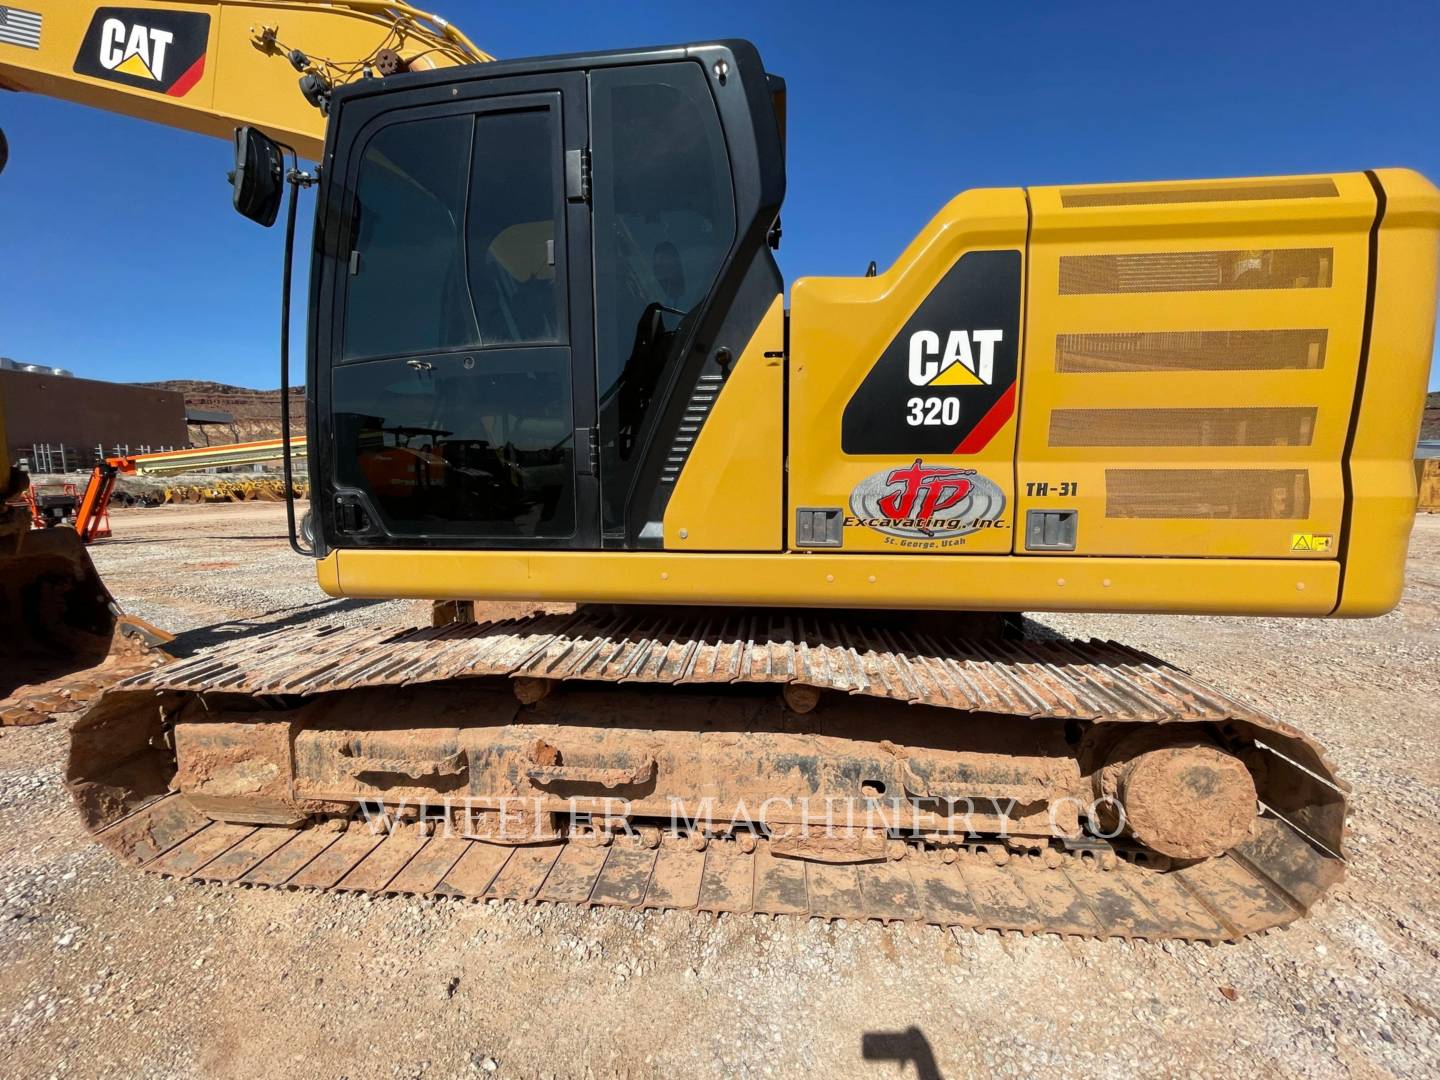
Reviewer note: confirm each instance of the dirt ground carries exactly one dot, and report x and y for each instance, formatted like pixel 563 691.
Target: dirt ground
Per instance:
pixel 109 972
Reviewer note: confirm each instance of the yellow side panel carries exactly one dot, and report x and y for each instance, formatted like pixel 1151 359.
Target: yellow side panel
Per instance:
pixel 838 580
pixel 1402 338
pixel 729 495
pixel 327 574
pixel 839 330
pixel 1191 360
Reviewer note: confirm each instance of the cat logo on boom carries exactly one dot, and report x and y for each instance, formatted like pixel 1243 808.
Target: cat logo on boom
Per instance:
pixel 146 48
pixel 138 51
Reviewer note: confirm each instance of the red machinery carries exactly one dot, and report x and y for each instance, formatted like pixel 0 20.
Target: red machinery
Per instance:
pixel 54 504
pixel 92 516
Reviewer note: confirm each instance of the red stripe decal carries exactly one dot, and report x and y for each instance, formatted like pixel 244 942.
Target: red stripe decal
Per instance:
pixel 186 82
pixel 981 434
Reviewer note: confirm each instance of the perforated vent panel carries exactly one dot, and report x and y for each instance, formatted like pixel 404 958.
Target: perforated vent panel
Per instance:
pixel 1182 427
pixel 1192 350
pixel 1196 271
pixel 702 400
pixel 1159 194
pixel 1207 493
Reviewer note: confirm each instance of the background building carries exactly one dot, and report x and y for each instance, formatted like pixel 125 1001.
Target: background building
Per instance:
pixel 46 407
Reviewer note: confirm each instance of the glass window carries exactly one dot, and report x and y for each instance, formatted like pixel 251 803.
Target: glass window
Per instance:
pixel 448 432
pixel 511 231
pixel 450 254
pixel 664 221
pixel 407 289
pixel 478 445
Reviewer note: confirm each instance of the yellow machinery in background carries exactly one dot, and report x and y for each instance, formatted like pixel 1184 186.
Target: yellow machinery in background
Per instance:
pixel 1427 473
pixel 550 359
pixel 92 515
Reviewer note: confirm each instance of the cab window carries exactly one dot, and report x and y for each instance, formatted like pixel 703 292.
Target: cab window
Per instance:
pixel 452 409
pixel 453 242
pixel 664 222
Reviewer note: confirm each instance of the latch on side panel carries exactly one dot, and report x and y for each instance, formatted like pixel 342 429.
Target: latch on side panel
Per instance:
pixel 817 527
pixel 1051 530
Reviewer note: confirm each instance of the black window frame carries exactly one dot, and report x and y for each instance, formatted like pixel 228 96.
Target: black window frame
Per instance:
pixel 503 104
pixel 746 290
pixel 565 93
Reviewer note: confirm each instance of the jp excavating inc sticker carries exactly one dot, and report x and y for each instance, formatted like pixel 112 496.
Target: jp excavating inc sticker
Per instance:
pixel 1311 542
pixel 147 48
pixel 928 503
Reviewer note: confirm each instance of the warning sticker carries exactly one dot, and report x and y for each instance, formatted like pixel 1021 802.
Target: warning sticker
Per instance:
pixel 1311 542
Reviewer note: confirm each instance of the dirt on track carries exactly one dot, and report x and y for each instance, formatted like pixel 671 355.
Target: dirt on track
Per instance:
pixel 110 972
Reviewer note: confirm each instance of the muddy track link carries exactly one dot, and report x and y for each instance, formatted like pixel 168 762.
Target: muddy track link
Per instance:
pixel 1292 856
pixel 1221 899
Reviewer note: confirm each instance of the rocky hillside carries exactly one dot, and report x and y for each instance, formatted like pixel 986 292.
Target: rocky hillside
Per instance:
pixel 256 412
pixel 1430 429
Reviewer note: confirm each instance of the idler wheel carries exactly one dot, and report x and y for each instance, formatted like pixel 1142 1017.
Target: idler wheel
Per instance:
pixel 1182 797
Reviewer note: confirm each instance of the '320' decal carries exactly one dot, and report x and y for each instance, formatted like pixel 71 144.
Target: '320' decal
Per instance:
pixel 946 382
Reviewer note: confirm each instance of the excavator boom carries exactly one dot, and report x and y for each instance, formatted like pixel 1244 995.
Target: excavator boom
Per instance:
pixel 211 66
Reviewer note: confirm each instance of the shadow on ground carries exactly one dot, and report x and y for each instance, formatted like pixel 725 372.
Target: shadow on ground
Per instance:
pixel 908 1047
pixel 189 642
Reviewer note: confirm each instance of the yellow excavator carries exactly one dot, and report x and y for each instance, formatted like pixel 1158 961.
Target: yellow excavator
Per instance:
pixel 549 358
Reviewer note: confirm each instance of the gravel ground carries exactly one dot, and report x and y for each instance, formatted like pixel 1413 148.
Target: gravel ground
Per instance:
pixel 115 973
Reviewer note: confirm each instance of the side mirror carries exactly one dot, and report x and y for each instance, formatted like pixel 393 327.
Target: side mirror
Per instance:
pixel 259 176
pixel 4 150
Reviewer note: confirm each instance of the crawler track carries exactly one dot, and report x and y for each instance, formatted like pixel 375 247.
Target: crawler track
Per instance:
pixel 121 773
pixel 1218 900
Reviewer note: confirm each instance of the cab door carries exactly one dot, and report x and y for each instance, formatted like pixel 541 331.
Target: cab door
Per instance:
pixel 453 349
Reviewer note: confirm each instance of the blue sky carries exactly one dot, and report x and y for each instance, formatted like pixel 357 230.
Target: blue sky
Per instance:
pixel 123 260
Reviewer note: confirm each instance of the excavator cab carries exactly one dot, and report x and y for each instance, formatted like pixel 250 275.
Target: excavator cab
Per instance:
pixel 529 278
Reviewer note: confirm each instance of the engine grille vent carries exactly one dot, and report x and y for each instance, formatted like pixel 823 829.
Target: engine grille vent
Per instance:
pixel 1208 493
pixel 1183 427
pixel 1196 271
pixel 1158 195
pixel 1192 350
